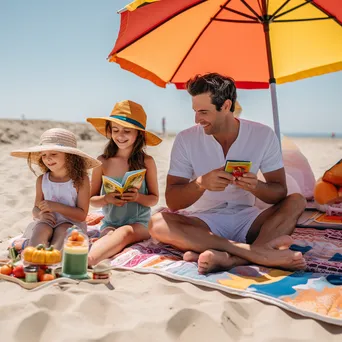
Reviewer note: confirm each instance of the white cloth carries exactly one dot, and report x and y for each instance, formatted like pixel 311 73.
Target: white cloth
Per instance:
pixel 195 153
pixel 229 223
pixel 296 165
pixel 292 188
pixel 64 193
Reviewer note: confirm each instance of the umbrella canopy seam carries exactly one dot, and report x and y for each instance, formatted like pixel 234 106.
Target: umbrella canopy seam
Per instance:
pixel 155 27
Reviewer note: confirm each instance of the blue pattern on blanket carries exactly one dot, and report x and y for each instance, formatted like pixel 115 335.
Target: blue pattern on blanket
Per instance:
pixel 336 257
pixel 285 286
pixel 302 249
pixel 310 294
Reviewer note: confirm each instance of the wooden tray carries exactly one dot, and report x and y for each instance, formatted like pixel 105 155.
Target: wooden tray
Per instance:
pixel 61 280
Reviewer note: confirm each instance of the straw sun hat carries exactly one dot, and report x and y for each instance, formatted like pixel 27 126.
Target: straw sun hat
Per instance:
pixel 59 140
pixel 128 114
pixel 238 109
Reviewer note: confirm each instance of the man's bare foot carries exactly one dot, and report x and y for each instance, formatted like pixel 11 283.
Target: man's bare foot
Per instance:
pixel 283 243
pixel 190 256
pixel 209 259
pixel 212 260
pixel 276 253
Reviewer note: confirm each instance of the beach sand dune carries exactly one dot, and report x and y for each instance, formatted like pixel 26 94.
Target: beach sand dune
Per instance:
pixel 140 307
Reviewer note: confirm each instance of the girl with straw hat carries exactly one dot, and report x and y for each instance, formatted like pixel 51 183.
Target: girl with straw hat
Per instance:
pixel 62 192
pixel 126 215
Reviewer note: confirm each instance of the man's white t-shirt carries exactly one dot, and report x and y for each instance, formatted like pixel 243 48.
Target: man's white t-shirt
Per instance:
pixel 195 153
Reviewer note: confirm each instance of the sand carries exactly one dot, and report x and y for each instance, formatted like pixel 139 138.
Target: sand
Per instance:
pixel 138 307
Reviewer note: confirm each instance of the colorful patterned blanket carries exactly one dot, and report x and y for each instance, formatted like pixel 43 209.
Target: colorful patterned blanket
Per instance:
pixel 316 293
pixel 315 219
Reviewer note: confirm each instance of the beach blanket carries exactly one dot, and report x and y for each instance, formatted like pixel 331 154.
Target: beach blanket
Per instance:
pixel 312 218
pixel 322 249
pixel 316 293
pixel 93 222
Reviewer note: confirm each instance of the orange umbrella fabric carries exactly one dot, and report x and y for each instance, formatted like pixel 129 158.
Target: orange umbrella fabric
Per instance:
pixel 257 42
pixel 171 40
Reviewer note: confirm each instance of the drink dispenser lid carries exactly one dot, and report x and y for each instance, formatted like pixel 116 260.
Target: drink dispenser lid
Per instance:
pixel 75 237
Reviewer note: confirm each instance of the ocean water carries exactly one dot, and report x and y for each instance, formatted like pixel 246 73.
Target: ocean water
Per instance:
pixel 313 135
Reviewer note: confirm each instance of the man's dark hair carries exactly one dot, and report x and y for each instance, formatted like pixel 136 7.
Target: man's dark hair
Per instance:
pixel 221 88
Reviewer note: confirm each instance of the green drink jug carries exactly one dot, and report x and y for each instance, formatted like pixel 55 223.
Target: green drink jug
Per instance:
pixel 75 254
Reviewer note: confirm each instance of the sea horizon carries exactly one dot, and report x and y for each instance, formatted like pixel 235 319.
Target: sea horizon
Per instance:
pixel 174 132
pixel 313 135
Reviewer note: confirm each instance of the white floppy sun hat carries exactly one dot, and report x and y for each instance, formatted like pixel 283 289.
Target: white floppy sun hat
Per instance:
pixel 59 140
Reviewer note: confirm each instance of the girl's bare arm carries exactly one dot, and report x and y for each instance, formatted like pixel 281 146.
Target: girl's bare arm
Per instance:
pixel 97 200
pixel 39 197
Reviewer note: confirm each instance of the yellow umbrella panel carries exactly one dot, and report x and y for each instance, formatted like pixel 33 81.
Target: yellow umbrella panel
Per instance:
pixel 257 42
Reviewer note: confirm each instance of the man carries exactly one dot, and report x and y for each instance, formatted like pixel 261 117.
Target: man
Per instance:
pixel 221 228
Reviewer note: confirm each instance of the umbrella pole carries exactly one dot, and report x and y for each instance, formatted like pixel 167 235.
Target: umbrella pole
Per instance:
pixel 275 110
pixel 266 24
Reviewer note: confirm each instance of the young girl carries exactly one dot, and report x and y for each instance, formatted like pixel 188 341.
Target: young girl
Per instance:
pixel 125 217
pixel 62 192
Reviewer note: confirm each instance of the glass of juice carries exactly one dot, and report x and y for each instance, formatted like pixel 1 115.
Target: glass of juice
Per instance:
pixel 75 255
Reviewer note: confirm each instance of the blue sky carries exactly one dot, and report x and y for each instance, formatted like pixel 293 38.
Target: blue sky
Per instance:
pixel 53 66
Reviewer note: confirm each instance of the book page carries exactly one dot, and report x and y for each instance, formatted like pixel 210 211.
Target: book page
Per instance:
pixel 237 167
pixel 134 179
pixel 111 185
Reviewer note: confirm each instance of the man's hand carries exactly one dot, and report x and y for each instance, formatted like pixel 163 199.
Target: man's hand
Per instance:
pixel 215 180
pixel 115 199
pixel 131 195
pixel 248 181
pixel 46 206
pixel 49 218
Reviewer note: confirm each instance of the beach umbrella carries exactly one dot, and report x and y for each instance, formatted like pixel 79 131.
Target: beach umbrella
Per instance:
pixel 136 4
pixel 260 43
pixel 238 109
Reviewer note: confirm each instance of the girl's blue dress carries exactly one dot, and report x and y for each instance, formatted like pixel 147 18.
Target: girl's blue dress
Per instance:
pixel 129 213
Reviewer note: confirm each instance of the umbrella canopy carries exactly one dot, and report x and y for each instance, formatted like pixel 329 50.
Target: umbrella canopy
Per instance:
pixel 257 42
pixel 238 109
pixel 136 4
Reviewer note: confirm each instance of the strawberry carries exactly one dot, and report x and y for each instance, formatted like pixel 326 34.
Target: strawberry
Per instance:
pixel 18 271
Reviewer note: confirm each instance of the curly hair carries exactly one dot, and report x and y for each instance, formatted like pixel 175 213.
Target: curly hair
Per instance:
pixel 221 88
pixel 136 160
pixel 75 165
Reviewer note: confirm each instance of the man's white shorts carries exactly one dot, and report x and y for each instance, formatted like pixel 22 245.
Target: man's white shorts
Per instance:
pixel 230 223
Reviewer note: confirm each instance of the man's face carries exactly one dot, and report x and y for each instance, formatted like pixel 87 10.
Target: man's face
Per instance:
pixel 206 114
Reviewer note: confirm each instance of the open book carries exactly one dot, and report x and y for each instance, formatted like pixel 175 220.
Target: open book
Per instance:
pixel 237 167
pixel 131 179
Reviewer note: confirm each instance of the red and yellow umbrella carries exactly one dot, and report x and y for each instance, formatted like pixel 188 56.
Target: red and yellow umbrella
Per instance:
pixel 136 4
pixel 257 42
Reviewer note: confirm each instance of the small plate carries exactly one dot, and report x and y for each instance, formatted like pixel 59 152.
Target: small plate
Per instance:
pixel 27 263
pixel 30 286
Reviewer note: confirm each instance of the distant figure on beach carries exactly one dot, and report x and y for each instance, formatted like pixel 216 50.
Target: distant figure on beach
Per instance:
pixel 212 215
pixel 333 134
pixel 164 125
